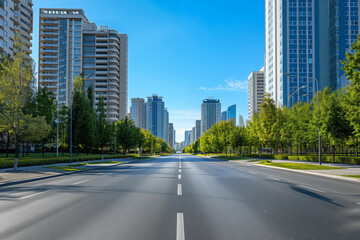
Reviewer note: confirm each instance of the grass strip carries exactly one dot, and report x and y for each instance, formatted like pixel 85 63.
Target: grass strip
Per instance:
pixel 299 166
pixel 66 168
pixel 229 158
pixel 353 176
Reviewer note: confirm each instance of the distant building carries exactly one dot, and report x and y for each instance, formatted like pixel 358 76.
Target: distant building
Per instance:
pixel 187 138
pixel 166 126
pixel 171 135
pixel 197 129
pixel 157 117
pixel 224 116
pixel 256 90
pixel 138 112
pixel 16 15
pixel 192 135
pixel 231 113
pixel 210 114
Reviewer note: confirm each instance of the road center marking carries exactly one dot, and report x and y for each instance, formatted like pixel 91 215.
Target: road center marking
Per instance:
pixel 179 170
pixel 312 188
pixel 179 190
pixel 252 172
pixel 180 233
pixel 80 182
pixel 179 176
pixel 35 194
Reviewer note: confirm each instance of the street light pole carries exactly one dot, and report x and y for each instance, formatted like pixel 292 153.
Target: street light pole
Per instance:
pixel 318 104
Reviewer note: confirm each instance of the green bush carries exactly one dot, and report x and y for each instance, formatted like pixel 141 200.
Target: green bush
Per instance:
pixel 9 163
pixel 281 157
pixel 257 155
pixel 329 159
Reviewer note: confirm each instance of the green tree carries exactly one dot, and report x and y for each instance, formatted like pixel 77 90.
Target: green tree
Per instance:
pixel 15 84
pixel 351 66
pixel 238 138
pixel 103 128
pixel 126 134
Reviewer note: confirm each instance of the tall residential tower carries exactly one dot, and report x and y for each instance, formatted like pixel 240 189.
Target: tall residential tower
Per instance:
pixel 69 45
pixel 16 16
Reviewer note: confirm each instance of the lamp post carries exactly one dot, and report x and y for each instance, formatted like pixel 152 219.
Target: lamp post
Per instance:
pixel 71 107
pixel 317 98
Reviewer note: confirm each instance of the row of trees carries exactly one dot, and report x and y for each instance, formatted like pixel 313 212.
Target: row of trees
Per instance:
pixel 286 129
pixel 28 115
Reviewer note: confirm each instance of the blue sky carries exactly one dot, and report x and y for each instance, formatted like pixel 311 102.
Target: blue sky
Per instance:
pixel 183 50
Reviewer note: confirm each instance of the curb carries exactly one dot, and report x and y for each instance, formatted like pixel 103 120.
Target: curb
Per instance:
pixel 311 173
pixel 60 175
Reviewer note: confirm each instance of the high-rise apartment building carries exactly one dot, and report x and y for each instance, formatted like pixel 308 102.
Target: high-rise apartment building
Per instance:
pixel 296 43
pixel 231 113
pixel 137 112
pixel 157 117
pixel 256 85
pixel 210 114
pixel 16 17
pixel 69 45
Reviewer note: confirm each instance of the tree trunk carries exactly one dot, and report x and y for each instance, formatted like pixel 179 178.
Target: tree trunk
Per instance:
pixel 333 152
pixel 16 153
pixel 356 148
pixel 7 145
pixel 27 148
pixel 23 150
pixel 102 153
pixel 43 149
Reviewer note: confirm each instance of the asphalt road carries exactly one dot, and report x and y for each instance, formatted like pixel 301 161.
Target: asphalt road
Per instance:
pixel 181 197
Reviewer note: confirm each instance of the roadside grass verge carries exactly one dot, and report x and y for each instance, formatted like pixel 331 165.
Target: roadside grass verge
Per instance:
pixel 229 158
pixel 66 168
pixel 298 166
pixel 353 176
pixel 93 163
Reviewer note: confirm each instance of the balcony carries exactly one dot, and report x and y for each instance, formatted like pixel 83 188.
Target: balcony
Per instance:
pixel 47 74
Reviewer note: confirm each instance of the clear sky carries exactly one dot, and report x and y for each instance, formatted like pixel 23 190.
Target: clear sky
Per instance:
pixel 183 50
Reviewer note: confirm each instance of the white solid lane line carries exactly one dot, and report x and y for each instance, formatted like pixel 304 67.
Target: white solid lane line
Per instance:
pixel 179 190
pixel 276 179
pixel 80 182
pixel 311 188
pixel 180 233
pixel 179 176
pixel 35 194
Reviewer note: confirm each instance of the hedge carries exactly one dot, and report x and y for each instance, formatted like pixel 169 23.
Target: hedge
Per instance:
pixel 329 159
pixel 9 163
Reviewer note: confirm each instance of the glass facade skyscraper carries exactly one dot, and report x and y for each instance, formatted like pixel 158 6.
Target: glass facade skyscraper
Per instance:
pixel 210 114
pixel 157 117
pixel 296 43
pixel 343 30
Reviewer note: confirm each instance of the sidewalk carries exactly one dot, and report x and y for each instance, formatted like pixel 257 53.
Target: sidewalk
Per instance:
pixel 349 169
pixel 7 176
